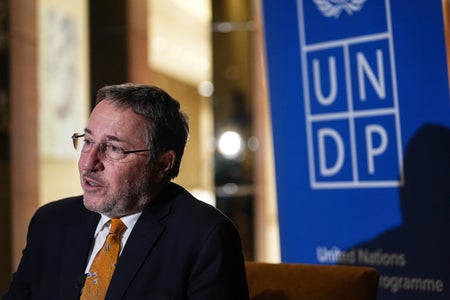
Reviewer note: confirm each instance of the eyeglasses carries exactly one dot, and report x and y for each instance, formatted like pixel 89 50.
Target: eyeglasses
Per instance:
pixel 108 149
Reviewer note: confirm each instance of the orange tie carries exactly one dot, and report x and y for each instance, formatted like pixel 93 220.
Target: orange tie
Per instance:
pixel 104 264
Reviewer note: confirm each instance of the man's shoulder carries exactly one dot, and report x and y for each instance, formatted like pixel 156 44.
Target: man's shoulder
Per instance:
pixel 63 208
pixel 183 198
pixel 73 202
pixel 186 207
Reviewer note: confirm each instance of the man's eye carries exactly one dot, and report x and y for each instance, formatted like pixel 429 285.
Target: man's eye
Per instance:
pixel 113 148
pixel 88 142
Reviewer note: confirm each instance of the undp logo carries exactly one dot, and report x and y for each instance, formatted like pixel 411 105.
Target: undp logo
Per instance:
pixel 351 101
pixel 333 8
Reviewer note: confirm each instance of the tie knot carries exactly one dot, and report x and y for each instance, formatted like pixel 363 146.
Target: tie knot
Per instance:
pixel 117 226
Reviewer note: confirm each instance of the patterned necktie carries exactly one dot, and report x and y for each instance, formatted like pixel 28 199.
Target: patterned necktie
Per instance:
pixel 104 264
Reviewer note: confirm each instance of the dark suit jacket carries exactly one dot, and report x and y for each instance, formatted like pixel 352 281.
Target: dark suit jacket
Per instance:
pixel 180 248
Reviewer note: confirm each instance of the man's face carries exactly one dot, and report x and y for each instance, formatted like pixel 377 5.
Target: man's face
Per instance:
pixel 115 188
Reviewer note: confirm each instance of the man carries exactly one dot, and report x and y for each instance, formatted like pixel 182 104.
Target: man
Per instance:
pixel 173 246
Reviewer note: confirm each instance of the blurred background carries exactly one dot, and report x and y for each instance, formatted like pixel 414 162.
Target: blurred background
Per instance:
pixel 54 55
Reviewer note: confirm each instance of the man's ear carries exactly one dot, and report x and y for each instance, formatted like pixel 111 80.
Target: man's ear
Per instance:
pixel 165 163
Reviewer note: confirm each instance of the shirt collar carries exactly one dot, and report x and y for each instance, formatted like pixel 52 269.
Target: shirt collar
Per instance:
pixel 129 221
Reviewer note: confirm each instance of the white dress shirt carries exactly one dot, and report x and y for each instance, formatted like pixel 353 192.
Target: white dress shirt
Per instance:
pixel 103 230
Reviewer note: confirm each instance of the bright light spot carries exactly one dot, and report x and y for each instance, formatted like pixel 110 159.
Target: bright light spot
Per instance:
pixel 230 188
pixel 205 88
pixel 230 144
pixel 224 27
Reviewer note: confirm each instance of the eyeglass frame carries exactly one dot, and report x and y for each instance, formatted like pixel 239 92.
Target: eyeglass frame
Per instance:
pixel 76 136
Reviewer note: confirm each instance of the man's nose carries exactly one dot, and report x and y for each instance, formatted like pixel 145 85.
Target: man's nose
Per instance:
pixel 92 159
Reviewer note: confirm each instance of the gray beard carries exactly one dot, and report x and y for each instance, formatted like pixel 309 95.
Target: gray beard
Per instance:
pixel 129 201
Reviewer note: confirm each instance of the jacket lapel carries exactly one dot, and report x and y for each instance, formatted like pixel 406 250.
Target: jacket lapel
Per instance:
pixel 76 249
pixel 140 243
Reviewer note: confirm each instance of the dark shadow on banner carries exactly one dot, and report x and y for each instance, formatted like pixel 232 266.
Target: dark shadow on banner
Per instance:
pixel 414 258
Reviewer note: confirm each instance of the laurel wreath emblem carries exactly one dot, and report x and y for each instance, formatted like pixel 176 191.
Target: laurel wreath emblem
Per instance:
pixel 333 8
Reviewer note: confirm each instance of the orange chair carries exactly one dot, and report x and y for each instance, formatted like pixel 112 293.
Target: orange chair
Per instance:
pixel 292 281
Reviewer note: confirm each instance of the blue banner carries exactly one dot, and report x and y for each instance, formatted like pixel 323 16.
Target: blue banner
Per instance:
pixel 361 115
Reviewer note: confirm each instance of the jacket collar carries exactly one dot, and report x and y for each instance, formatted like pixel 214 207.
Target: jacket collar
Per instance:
pixel 142 240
